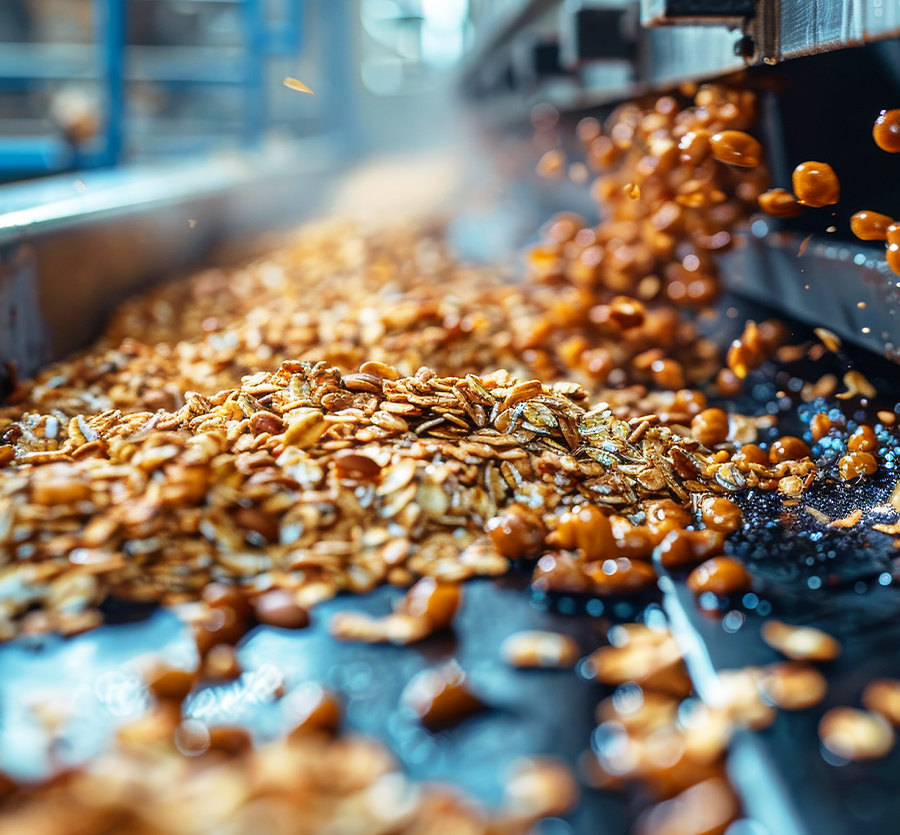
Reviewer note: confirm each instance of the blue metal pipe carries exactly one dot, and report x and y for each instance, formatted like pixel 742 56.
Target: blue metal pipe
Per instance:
pixel 253 13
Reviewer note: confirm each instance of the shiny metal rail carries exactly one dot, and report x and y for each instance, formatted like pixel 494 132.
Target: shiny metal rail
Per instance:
pixel 589 52
pixel 73 246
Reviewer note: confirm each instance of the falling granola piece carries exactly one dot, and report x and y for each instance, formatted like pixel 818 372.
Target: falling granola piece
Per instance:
pixel 299 86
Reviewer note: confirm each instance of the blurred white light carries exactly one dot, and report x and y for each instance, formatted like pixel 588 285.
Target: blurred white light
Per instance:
pixel 441 48
pixel 445 15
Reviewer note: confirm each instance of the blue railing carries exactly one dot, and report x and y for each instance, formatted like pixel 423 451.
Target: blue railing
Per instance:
pixel 106 63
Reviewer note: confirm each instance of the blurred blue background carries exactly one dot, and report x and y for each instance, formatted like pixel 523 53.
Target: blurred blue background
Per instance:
pixel 92 83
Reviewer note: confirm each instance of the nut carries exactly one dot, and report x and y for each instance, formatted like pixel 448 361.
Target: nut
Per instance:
pixel 816 184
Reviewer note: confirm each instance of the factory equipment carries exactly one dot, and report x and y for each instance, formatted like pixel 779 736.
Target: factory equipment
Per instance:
pixel 825 70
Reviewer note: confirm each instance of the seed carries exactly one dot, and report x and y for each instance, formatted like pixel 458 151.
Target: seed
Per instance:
pixel 356 467
pixel 886 131
pixel 683 548
pixel 263 421
pixel 792 685
pixel 720 514
pixel 279 608
pixel 540 649
pixel 541 787
pixel 56 484
pixel 305 427
pixel 779 203
pixel 710 427
pixel 723 576
pixel 863 439
pixel 816 184
pixel 788 448
pixel 362 382
pixel 736 148
pixel 397 477
pixel 380 369
pixel 856 734
pixel 800 643
pixel 441 697
pixel 854 464
pixel 296 84
pixel 516 532
pixel 870 226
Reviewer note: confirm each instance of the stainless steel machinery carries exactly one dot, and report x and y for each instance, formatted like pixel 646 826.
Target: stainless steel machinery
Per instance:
pixel 831 66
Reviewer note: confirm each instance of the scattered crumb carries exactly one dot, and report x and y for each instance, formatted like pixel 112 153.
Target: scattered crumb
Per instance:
pixel 829 339
pixel 848 521
pixel 299 86
pixel 817 514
